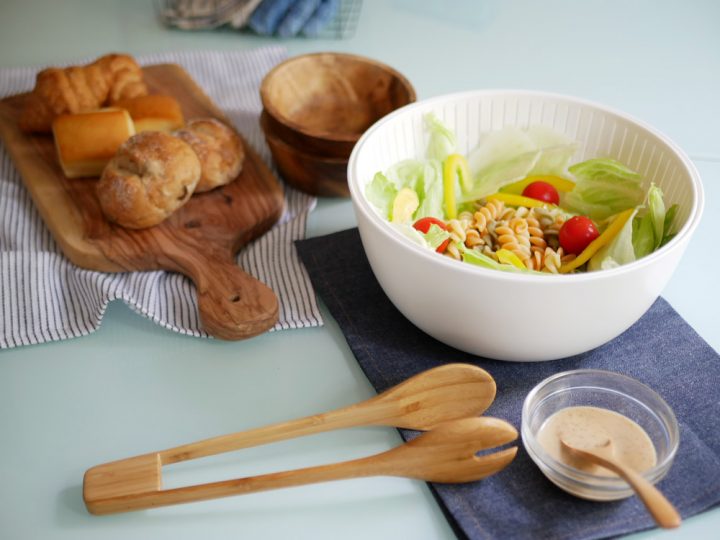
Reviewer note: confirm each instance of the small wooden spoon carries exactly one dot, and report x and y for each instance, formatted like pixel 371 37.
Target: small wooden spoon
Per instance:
pixel 660 508
pixel 447 454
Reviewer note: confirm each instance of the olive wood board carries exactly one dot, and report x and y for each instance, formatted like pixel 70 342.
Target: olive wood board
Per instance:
pixel 200 240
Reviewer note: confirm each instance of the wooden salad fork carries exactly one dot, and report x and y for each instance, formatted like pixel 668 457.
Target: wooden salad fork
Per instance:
pixel 446 400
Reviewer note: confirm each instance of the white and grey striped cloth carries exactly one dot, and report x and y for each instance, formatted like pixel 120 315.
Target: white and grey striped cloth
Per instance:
pixel 44 297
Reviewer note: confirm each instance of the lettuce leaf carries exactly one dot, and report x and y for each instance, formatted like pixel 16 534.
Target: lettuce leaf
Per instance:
pixel 502 157
pixel 511 154
pixel 618 252
pixel 556 150
pixel 423 177
pixel 442 141
pixel 641 235
pixel 669 224
pixel 476 258
pixel 649 229
pixel 431 195
pixel 381 192
pixel 604 187
pixel 411 233
pixel 656 210
pixel 435 236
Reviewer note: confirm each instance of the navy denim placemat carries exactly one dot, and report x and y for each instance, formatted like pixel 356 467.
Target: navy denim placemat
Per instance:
pixel 660 350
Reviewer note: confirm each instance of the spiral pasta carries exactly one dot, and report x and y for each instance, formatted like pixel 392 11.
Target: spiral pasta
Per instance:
pixel 456 228
pixel 530 233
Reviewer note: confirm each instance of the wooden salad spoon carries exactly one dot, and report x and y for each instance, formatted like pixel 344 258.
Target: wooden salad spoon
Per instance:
pixel 438 395
pixel 602 453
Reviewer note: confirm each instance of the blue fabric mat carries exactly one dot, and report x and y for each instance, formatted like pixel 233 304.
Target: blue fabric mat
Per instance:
pixel 661 350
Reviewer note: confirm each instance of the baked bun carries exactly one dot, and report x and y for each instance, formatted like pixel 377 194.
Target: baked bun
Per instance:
pixel 85 142
pixel 152 175
pixel 80 88
pixel 219 148
pixel 154 112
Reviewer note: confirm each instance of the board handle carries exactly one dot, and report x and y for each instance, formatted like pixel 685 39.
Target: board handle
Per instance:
pixel 233 305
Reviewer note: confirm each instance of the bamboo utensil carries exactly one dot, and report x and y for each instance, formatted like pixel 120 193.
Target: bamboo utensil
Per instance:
pixel 452 392
pixel 444 454
pixel 662 511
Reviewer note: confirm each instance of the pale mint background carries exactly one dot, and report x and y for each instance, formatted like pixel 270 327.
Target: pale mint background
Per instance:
pixel 132 387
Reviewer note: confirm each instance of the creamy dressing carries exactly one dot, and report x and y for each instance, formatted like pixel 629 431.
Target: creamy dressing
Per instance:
pixel 590 427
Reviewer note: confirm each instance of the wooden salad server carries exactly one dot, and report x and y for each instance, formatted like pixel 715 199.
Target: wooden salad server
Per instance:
pixel 445 454
pixel 424 401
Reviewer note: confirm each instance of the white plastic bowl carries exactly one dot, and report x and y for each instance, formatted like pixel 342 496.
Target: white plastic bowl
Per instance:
pixel 509 316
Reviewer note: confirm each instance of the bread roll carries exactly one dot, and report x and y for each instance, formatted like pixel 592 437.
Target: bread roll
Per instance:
pixel 154 112
pixel 152 175
pixel 85 142
pixel 80 88
pixel 219 148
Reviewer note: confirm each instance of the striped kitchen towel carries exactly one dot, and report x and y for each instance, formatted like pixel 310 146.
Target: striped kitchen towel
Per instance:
pixel 44 297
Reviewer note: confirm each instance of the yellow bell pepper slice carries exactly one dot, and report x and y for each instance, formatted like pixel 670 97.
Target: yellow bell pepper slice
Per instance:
pixel 605 238
pixel 561 184
pixel 404 205
pixel 508 257
pixel 519 200
pixel 455 165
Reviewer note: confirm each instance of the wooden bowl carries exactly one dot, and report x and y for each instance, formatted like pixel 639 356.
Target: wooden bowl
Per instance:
pixel 322 103
pixel 313 174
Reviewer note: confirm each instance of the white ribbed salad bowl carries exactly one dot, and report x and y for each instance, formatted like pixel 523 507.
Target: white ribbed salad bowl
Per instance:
pixel 521 316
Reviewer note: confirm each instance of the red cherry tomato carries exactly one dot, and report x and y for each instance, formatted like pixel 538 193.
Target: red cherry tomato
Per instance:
pixel 577 233
pixel 423 225
pixel 542 191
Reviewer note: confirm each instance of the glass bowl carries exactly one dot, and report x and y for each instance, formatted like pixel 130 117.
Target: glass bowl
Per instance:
pixel 608 390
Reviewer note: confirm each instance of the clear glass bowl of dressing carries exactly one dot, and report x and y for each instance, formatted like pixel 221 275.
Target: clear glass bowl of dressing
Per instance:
pixel 606 390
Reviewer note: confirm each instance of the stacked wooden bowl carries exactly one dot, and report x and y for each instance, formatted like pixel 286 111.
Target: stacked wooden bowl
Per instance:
pixel 316 107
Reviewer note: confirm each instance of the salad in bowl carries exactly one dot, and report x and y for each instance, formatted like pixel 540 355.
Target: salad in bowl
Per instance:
pixel 521 225
pixel 516 203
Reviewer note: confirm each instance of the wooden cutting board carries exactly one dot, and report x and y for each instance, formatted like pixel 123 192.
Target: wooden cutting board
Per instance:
pixel 200 240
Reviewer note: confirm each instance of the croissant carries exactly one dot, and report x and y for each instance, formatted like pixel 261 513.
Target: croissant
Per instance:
pixel 80 88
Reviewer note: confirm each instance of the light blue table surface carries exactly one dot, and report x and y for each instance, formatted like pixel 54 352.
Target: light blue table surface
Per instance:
pixel 133 387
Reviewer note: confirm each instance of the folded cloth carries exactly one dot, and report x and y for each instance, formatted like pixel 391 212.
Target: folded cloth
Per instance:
pixel 320 18
pixel 287 18
pixel 660 350
pixel 44 297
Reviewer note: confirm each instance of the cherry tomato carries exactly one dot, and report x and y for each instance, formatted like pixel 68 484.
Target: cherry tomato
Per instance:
pixel 542 191
pixel 577 233
pixel 423 225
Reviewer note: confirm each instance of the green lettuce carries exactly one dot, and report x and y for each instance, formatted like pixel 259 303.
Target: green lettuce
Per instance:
pixel 511 154
pixel 431 195
pixel 423 177
pixel 618 252
pixel 435 236
pixel 442 141
pixel 642 234
pixel 476 258
pixel 381 192
pixel 649 229
pixel 556 150
pixel 603 188
pixel 411 233
pixel 502 157
pixel 669 224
